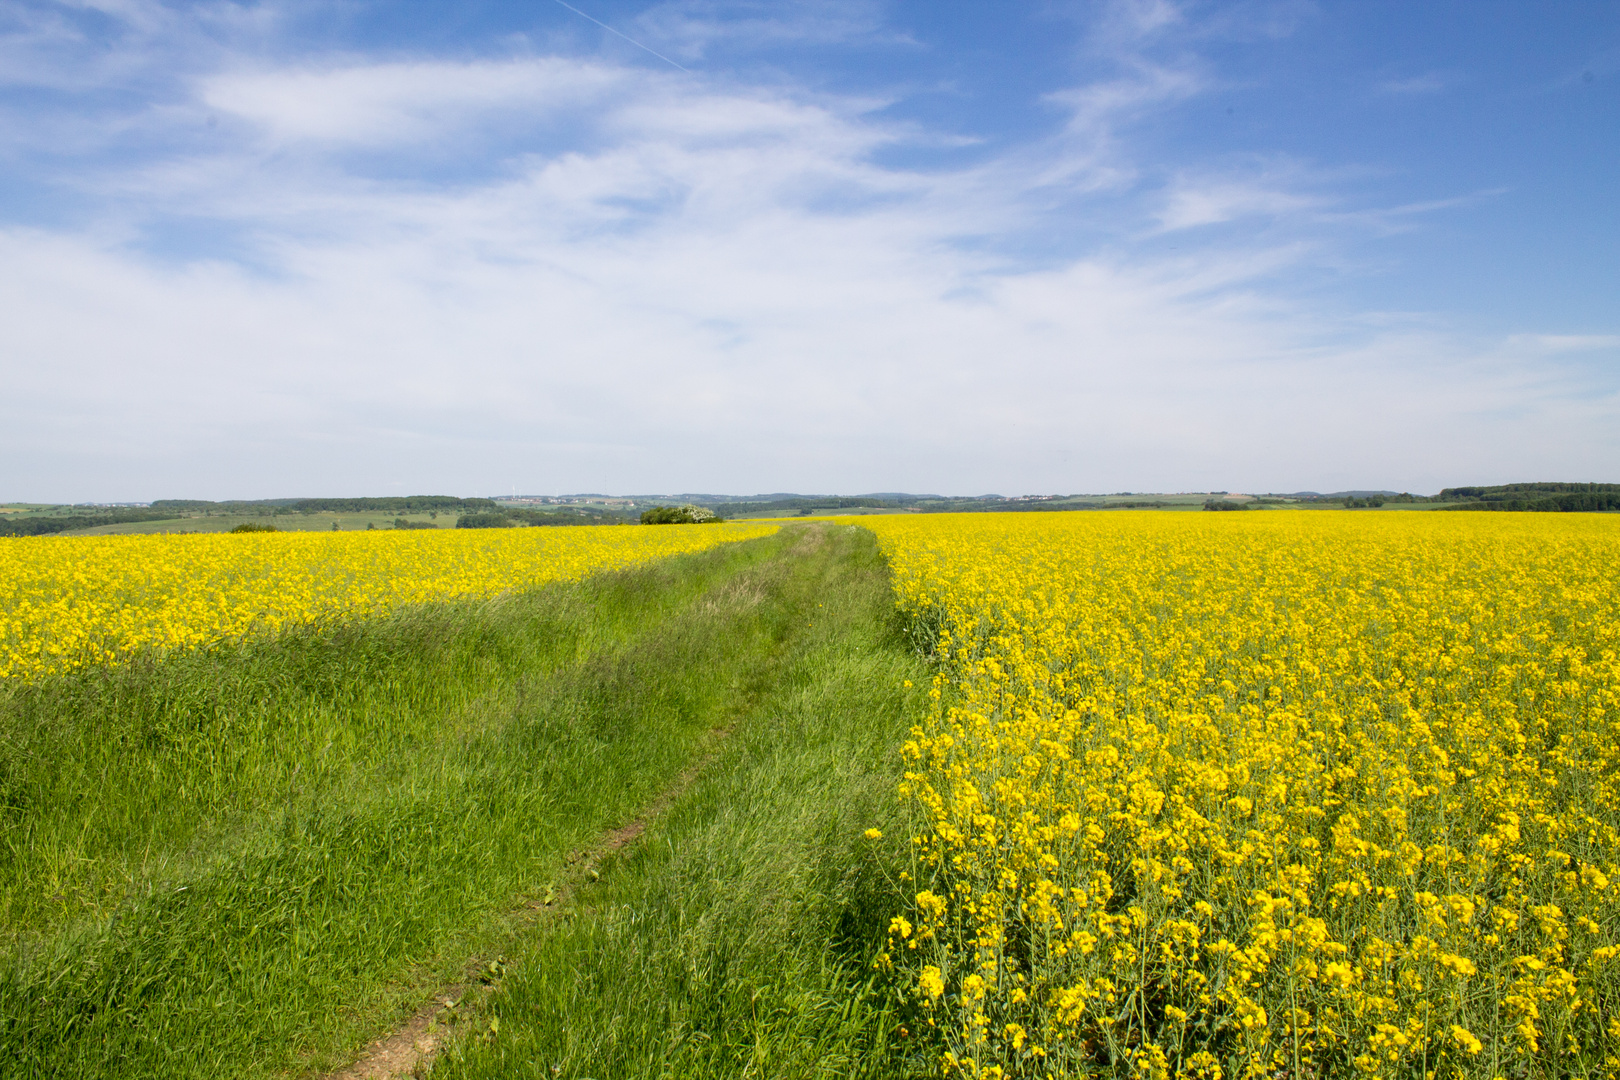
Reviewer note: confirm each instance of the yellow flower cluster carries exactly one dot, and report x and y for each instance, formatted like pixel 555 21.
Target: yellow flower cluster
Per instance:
pixel 70 601
pixel 1284 793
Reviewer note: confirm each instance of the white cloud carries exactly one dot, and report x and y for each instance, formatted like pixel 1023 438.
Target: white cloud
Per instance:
pixel 692 28
pixel 474 341
pixel 659 281
pixel 380 104
pixel 1101 106
pixel 1126 25
pixel 1190 204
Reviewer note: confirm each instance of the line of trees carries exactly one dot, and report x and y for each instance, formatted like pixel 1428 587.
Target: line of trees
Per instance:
pixel 1523 492
pixel 389 504
pixel 394 504
pixel 786 507
pixel 508 518
pixel 55 523
pixel 1565 504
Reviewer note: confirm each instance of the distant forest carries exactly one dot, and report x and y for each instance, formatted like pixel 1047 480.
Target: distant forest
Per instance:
pixel 507 518
pixel 927 504
pixel 70 518
pixel 1534 498
pixel 391 504
pixel 80 519
pixel 793 505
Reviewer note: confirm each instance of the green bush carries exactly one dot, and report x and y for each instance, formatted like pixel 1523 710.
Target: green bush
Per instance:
pixel 253 526
pixel 678 515
pixel 496 520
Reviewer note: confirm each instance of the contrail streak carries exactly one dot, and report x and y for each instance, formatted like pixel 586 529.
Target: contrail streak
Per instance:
pixel 626 37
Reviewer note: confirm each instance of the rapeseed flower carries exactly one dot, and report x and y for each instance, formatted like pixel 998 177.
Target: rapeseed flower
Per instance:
pixel 70 601
pixel 1265 794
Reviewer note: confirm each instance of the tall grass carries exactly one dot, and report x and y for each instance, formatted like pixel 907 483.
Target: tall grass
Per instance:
pixel 247 861
pixel 737 939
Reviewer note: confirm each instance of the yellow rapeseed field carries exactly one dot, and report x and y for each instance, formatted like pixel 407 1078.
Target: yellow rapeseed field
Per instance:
pixel 70 601
pixel 1289 794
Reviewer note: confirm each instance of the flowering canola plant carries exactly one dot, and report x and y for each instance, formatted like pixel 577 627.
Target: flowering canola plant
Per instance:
pixel 1285 793
pixel 70 601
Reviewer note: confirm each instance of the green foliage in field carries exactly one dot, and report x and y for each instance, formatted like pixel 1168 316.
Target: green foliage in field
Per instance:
pixel 678 515
pixel 493 520
pixel 249 862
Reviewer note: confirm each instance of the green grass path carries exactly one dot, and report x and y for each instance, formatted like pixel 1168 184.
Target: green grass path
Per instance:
pixel 736 938
pixel 252 861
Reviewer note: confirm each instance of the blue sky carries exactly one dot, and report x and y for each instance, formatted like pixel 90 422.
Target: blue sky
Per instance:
pixel 255 250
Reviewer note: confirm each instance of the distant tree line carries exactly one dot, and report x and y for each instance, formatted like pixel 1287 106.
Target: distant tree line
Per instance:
pixel 787 507
pixel 1542 497
pixel 1545 496
pixel 967 505
pixel 803 506
pixel 235 506
pixel 1565 504
pixel 509 518
pixel 394 504
pixel 55 523
pixel 389 504
pixel 926 504
pixel 1523 492
pixel 1373 498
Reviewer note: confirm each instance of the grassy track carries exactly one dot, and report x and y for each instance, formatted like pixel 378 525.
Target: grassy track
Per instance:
pixel 736 939
pixel 248 862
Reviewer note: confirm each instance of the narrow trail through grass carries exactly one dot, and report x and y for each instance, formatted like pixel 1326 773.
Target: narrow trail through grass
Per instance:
pixel 253 861
pixel 737 938
pixel 409 1050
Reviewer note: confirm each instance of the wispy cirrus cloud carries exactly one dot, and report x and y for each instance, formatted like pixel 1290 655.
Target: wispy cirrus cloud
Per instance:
pixel 1192 203
pixel 378 104
pixel 1431 82
pixel 691 29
